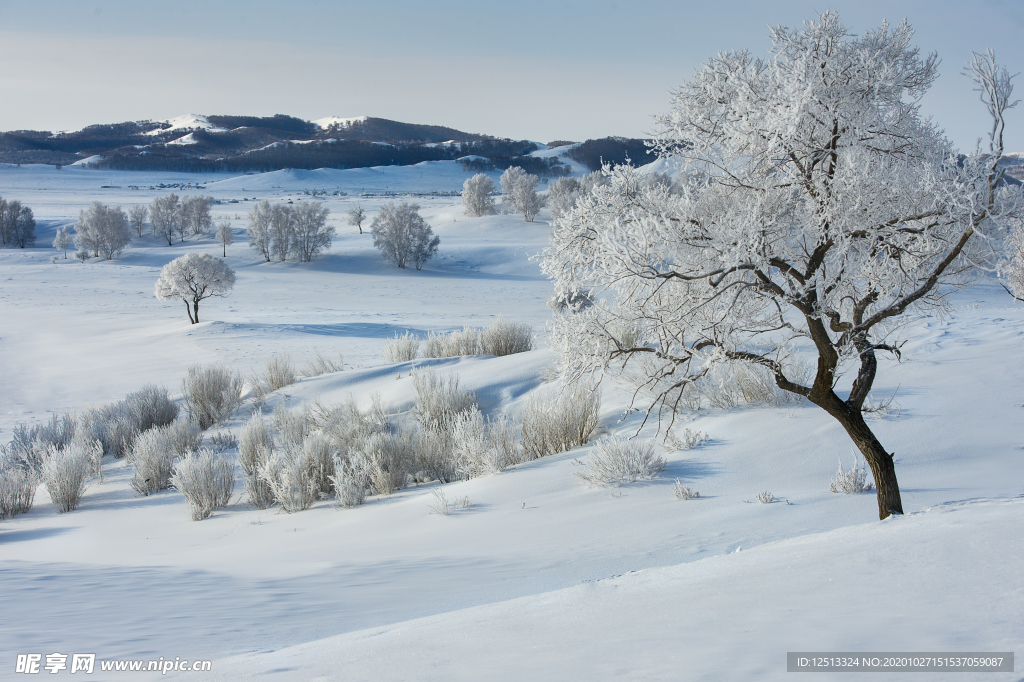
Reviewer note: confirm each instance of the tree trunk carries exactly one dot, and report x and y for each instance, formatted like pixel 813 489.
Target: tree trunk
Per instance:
pixel 882 468
pixel 188 312
pixel 195 307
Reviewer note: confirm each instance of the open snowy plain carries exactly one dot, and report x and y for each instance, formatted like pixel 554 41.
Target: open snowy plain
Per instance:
pixel 541 578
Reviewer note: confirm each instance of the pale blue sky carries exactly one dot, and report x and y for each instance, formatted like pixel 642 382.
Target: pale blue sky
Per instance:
pixel 528 69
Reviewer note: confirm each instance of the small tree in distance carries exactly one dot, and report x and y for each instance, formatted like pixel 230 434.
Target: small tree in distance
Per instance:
pixel 402 236
pixel 194 277
pixel 103 230
pixel 356 217
pixel 137 217
pixel 476 196
pixel 520 193
pixel 226 236
pixel 63 240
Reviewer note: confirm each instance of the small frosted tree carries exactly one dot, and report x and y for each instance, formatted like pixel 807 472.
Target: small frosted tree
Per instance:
pixel 282 231
pixel 402 236
pixel 25 228
pixel 562 195
pixel 103 230
pixel 226 236
pixel 476 195
pixel 260 219
pixel 137 217
pixel 356 216
pixel 195 215
pixel 310 232
pixel 165 216
pixel 520 193
pixel 194 277
pixel 63 240
pixel 820 212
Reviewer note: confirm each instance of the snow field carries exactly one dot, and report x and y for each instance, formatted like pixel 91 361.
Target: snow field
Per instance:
pixel 388 590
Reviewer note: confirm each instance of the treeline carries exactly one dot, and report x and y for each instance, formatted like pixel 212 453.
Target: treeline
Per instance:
pixel 17 224
pixel 614 150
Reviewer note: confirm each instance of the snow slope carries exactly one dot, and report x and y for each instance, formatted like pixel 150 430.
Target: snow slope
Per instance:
pixel 187 122
pixel 541 578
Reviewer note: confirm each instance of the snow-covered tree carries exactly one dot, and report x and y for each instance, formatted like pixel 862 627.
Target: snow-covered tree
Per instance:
pixel 194 277
pixel 63 240
pixel 562 195
pixel 195 215
pixel 165 216
pixel 476 195
pixel 310 232
pixel 520 193
pixel 260 218
pixel 281 231
pixel 24 234
pixel 103 230
pixel 402 236
pixel 819 212
pixel 137 217
pixel 226 236
pixel 356 216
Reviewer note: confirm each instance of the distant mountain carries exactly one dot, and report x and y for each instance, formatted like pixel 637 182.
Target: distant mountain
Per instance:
pixel 251 143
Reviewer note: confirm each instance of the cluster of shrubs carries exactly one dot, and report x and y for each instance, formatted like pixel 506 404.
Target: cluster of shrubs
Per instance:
pixel 17 224
pixel 314 452
pixel 501 338
pixel 64 453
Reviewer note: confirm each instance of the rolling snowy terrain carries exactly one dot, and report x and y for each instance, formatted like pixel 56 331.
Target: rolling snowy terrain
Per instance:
pixel 541 577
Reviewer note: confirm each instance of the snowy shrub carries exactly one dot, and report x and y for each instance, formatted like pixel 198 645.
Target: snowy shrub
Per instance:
pixel 223 440
pixel 476 195
pixel 152 460
pixel 29 443
pixel 181 437
pixel 318 457
pixel 690 440
pixel 65 470
pixel 452 345
pixel 82 255
pixel 255 446
pixel 733 384
pixel 321 365
pixel 286 474
pixel 505 338
pixel 851 482
pixel 205 480
pixel 350 479
pixel 150 406
pixel 483 446
pixel 402 236
pixel 17 490
pixel 402 348
pixel 293 425
pixel 435 457
pixel 765 497
pixel 212 394
pixel 571 301
pixel 554 423
pixel 387 458
pixel 682 492
pixel 279 372
pixel 616 461
pixel 439 503
pixel 439 400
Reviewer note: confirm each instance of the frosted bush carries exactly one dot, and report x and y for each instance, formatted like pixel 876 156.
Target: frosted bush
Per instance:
pixel 322 365
pixel 205 480
pixel 152 459
pixel 29 443
pixel 17 490
pixel 439 400
pixel 616 461
pixel 402 348
pixel 65 470
pixel 851 482
pixel 212 394
pixel 318 458
pixel 682 492
pixel 765 497
pixel 506 338
pixel 453 344
pixel 223 440
pixel 387 456
pixel 293 425
pixel 289 481
pixel 435 457
pixel 350 479
pixel 483 446
pixel 255 445
pixel 554 423
pixel 439 503
pixel 278 373
pixel 151 406
pixel 688 441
